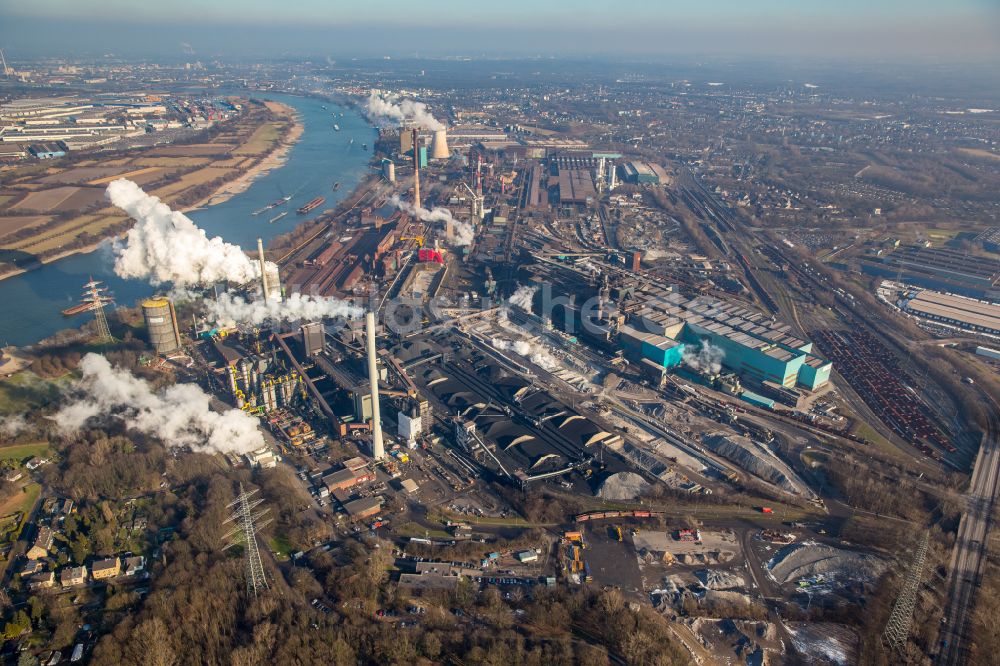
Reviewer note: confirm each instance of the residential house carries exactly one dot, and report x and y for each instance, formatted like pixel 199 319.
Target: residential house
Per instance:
pixel 42 580
pixel 42 545
pixel 106 568
pixel 72 576
pixel 134 565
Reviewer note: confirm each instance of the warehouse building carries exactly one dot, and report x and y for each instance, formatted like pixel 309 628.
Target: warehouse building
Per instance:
pixel 366 507
pixel 576 186
pixel 643 173
pixel 664 330
pixel 343 479
pixel 957 311
pixel 989 239
pixel 938 268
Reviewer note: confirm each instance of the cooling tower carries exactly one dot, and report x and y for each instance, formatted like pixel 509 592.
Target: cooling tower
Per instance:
pixel 439 145
pixel 378 448
pixel 161 323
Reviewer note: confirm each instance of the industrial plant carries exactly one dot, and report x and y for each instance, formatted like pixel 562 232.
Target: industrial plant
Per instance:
pixel 507 352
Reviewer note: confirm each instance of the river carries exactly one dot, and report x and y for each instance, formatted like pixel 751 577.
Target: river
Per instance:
pixel 32 302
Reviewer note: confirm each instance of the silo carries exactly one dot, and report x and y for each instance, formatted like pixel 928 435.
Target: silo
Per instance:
pixel 439 145
pixel 389 170
pixel 161 322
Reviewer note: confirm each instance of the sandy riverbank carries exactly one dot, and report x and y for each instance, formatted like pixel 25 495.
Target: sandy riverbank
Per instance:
pixel 224 192
pixel 276 158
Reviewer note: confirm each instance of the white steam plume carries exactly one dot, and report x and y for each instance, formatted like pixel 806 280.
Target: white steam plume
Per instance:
pixel 523 296
pixel 12 426
pixel 235 309
pixel 462 232
pixel 536 353
pixel 705 358
pixel 166 246
pixel 179 415
pixel 382 109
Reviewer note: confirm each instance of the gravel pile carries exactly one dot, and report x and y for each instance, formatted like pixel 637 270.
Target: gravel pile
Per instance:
pixel 744 453
pixel 622 486
pixel 714 579
pixel 809 559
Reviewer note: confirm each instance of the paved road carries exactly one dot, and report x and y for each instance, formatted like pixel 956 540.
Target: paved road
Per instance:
pixel 968 556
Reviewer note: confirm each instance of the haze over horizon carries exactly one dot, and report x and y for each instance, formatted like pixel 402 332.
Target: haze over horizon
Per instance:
pixel 961 30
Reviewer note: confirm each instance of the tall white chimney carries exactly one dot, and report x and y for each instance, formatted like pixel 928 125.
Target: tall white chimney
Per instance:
pixel 378 448
pixel 263 267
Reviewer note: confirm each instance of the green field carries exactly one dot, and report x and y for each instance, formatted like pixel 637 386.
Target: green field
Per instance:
pixel 261 141
pixel 25 391
pixel 280 546
pixel 414 530
pixel 21 503
pixel 22 451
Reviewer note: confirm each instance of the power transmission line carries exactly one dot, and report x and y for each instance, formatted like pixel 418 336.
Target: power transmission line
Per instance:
pixel 247 524
pixel 897 629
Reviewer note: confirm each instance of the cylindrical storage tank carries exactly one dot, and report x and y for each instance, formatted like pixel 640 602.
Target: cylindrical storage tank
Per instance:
pixel 389 170
pixel 159 316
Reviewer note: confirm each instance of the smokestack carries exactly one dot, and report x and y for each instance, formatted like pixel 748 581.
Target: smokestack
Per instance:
pixel 416 170
pixel 263 272
pixel 378 448
pixel 439 146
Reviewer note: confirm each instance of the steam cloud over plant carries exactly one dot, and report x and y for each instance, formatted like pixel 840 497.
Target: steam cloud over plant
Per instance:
pixel 536 353
pixel 383 110
pixel 165 246
pixel 296 307
pixel 705 358
pixel 462 232
pixel 179 415
pixel 523 296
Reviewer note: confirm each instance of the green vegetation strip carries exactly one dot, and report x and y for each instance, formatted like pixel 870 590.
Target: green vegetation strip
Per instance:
pixel 22 451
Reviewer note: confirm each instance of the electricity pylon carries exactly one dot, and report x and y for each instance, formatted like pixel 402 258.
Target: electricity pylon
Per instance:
pixel 897 629
pixel 247 524
pixel 96 296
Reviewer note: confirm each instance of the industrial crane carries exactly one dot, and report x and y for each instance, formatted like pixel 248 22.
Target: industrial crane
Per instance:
pixel 419 239
pixel 477 202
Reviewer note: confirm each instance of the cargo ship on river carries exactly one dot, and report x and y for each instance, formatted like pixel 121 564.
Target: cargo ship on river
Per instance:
pixel 280 202
pixel 312 205
pixel 79 308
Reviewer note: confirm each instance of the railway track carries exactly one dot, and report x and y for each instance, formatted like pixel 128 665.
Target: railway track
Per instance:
pixel 365 198
pixel 969 553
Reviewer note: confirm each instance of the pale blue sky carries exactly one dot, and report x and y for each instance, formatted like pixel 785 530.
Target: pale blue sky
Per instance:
pixel 594 13
pixel 807 27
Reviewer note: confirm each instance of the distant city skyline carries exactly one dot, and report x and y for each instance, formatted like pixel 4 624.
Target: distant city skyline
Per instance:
pixel 958 29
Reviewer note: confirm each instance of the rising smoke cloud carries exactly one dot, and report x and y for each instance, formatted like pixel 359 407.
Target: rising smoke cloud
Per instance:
pixel 705 358
pixel 180 415
pixel 296 307
pixel 383 110
pixel 536 353
pixel 165 246
pixel 462 232
pixel 523 296
pixel 12 426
